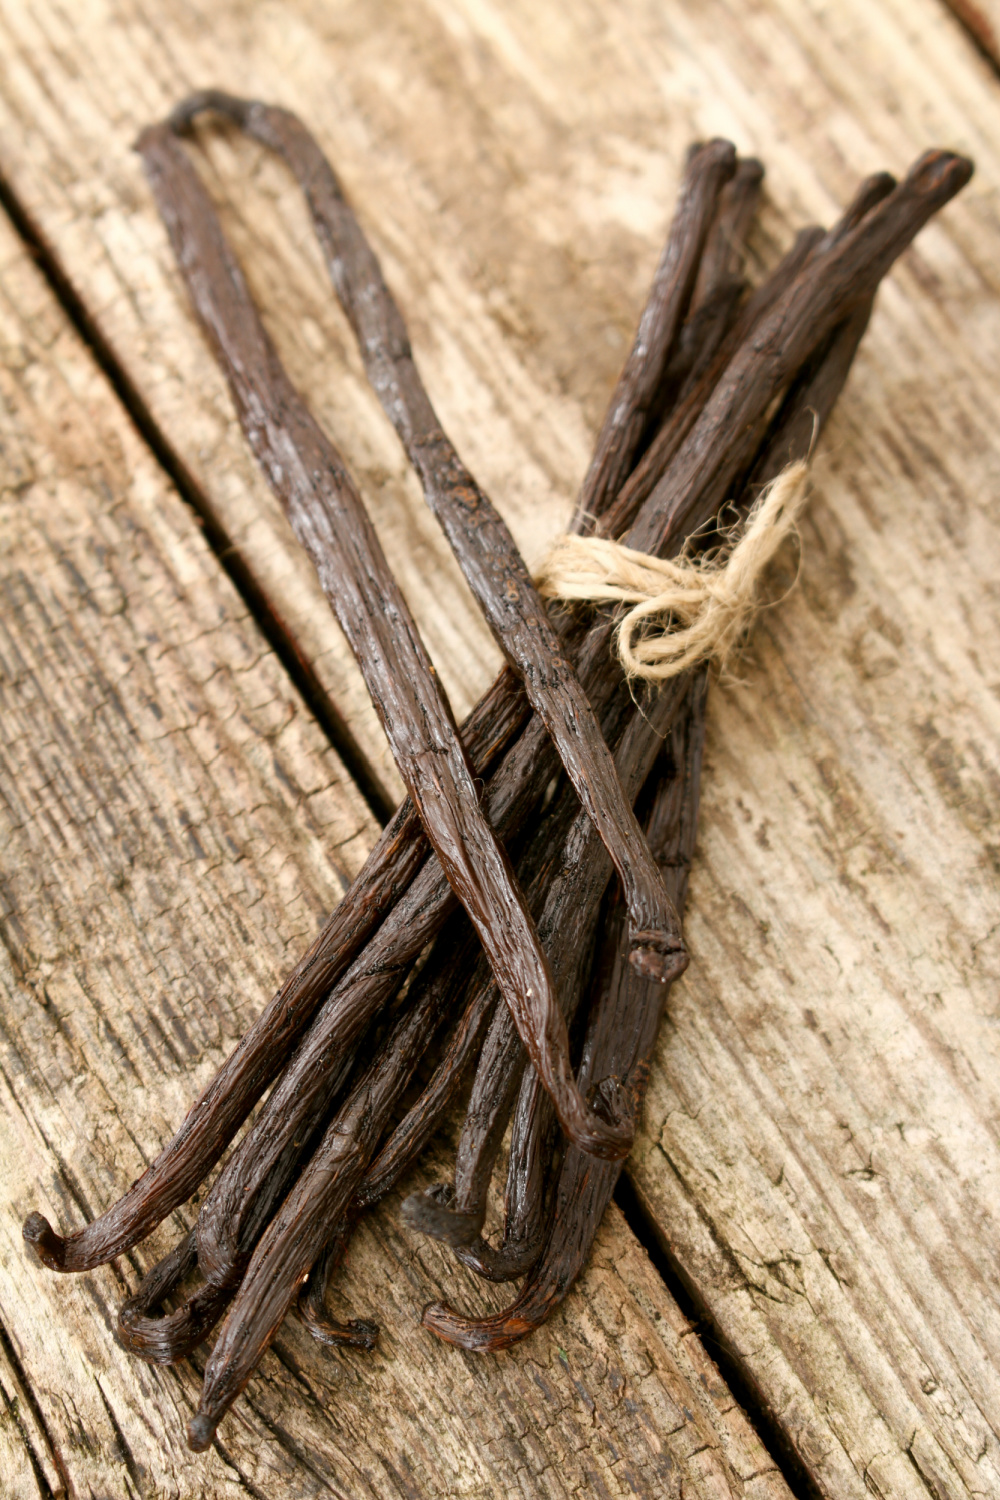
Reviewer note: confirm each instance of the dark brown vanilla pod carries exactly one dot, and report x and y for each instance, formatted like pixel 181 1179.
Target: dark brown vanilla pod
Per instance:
pixel 258 1172
pixel 566 923
pixel 696 390
pixel 620 1039
pixel 477 534
pixel 163 1338
pixel 719 345
pixel 719 288
pixel 826 290
pixel 632 404
pixel 259 1056
pixel 216 1116
pixel 359 1333
pixel 311 1213
pixel 325 511
pixel 794 431
pixel 381 333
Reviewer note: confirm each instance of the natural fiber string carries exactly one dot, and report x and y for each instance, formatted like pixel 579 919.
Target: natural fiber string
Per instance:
pixel 687 610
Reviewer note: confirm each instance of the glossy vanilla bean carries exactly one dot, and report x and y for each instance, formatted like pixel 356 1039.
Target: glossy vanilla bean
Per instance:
pixel 215 1117
pixel 477 534
pixel 826 290
pixel 619 1043
pixel 567 923
pixel 800 366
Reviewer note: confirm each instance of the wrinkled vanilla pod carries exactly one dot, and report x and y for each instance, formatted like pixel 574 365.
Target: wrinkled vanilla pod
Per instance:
pixel 257 1059
pixel 620 1039
pixel 567 924
pixel 325 511
pixel 783 353
pixel 321 1196
pixel 719 289
pixel 794 431
pixel 826 290
pixel 478 536
pixel 259 1056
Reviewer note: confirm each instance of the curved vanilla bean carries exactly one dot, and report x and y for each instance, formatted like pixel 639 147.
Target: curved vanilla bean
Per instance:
pixel 526 1202
pixel 255 1062
pixel 455 1214
pixel 477 534
pixel 320 1199
pixel 214 1119
pixel 223 1106
pixel 308 476
pixel 620 1039
pixel 358 1333
pixel 168 1337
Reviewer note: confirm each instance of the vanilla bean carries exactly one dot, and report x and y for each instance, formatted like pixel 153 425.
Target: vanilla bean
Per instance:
pixel 359 1333
pixel 796 427
pixel 477 534
pixel 257 1059
pixel 718 290
pixel 628 413
pixel 654 463
pixel 318 1201
pixel 826 290
pixel 309 478
pixel 259 1056
pixel 619 1042
pixel 566 924
pixel 223 1106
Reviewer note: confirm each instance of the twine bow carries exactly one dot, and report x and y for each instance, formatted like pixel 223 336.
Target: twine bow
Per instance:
pixel 684 610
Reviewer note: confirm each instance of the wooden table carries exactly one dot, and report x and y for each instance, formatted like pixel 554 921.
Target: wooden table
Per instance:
pixel 184 736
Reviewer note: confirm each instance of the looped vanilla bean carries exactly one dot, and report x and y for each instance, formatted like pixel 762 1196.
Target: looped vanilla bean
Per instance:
pixel 684 610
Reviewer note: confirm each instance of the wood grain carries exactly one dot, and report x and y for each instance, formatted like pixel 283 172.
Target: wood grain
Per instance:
pixel 174 827
pixel 821 1143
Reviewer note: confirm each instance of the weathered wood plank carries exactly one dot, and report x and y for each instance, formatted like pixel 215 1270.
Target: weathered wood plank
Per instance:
pixel 833 1206
pixel 173 827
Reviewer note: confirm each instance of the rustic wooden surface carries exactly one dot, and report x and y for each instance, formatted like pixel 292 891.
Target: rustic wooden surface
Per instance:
pixel 820 1155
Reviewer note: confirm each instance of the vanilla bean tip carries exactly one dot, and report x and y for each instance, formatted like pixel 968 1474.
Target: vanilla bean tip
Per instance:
pixel 480 1336
pixel 432 1212
pixel 181 118
pixel 201 1431
pixel 48 1246
pixel 656 959
pixel 938 169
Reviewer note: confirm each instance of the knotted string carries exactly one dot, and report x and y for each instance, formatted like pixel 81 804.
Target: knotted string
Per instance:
pixel 688 609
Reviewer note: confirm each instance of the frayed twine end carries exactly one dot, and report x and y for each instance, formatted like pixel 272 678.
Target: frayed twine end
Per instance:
pixel 683 611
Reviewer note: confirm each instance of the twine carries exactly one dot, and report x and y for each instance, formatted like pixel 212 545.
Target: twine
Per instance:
pixel 686 610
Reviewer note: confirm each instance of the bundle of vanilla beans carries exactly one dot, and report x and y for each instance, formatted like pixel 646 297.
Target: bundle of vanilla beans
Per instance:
pixel 486 931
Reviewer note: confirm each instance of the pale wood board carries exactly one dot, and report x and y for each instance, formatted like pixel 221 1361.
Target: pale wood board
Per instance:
pixel 173 828
pixel 834 1206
